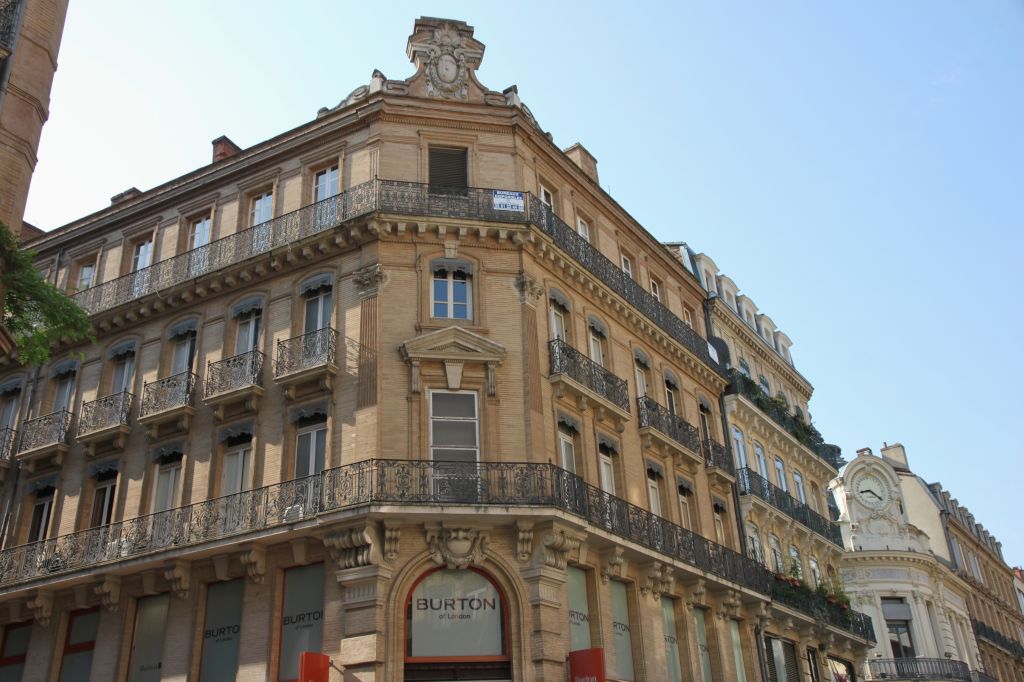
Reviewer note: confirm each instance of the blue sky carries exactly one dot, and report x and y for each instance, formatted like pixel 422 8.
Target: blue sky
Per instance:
pixel 857 168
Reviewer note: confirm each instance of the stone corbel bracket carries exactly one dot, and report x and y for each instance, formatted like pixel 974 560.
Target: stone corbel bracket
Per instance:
pixel 613 564
pixel 524 541
pixel 354 546
pixel 108 589
pixel 178 574
pixel 254 559
pixel 41 605
pixel 558 544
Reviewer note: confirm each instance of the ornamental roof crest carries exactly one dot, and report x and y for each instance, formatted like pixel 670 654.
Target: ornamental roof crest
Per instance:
pixel 446 55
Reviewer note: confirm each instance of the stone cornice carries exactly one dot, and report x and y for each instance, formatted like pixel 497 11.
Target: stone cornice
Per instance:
pixel 722 313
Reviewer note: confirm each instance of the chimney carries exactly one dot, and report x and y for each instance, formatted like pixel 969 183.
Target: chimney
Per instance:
pixel 224 148
pixel 864 452
pixel 126 195
pixel 584 159
pixel 896 455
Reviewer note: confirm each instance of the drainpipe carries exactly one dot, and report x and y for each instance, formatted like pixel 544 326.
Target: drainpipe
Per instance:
pixel 759 646
pixel 27 410
pixel 709 304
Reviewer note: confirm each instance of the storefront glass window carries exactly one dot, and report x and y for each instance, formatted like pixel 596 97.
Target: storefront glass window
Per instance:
pixel 302 618
pixel 579 610
pixel 621 631
pixel 223 631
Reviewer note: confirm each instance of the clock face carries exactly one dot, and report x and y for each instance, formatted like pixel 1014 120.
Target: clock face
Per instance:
pixel 871 491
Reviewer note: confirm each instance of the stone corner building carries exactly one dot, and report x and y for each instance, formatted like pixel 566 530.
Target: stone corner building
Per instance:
pixel 343 400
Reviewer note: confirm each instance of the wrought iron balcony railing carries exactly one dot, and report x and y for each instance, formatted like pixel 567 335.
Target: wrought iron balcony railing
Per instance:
pixel 230 374
pixel 806 434
pixel 918 669
pixel 409 198
pixel 568 361
pixel 978 676
pixel 986 631
pixel 7 440
pixel 8 24
pixel 804 599
pixel 50 429
pixel 105 413
pixel 651 414
pixel 753 483
pixel 167 394
pixel 716 456
pixel 307 351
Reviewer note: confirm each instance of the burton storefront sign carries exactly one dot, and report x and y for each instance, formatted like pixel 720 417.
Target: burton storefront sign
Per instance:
pixel 455 614
pixel 509 201
pixel 302 617
pixel 587 665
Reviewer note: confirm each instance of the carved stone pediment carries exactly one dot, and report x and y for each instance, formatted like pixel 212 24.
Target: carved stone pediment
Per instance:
pixel 446 57
pixel 454 347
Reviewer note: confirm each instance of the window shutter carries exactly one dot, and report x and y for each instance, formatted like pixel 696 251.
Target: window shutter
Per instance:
pixel 773 674
pixel 448 168
pixel 792 664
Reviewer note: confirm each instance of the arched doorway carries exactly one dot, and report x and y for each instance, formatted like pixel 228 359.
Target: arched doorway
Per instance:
pixel 456 628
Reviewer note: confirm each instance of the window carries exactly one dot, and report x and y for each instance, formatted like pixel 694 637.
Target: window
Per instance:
pixel 448 169
pixel 310 449
pixel 198 237
pixel 79 645
pixel 237 464
pixel 222 631
pixel 815 571
pixel 452 294
pixel 654 488
pixel 671 633
pixel 39 525
pixel 62 391
pixel 704 421
pixel 762 463
pixel 672 396
pixel 247 335
pixel 547 198
pixel 775 549
pixel 718 512
pixel 579 609
pixel 122 373
pixel 627 266
pixel 13 649
pixel 641 369
pixel 656 290
pixel 325 184
pixel 454 426
pixel 622 639
pixel 780 475
pixel 754 543
pixel 606 468
pixel 701 631
pixel 566 448
pixel 103 500
pixel 740 447
pixel 795 563
pixel 737 651
pixel 762 381
pixel 685 489
pixel 583 228
pixel 558 315
pixel 709 280
pixel 317 308
pixel 745 367
pixel 148 639
pixel 798 483
pixel 183 352
pixel 597 336
pixel 86 274
pixel 168 481
pixel 897 620
pixel 142 255
pixel 261 208
pixel 688 317
pixel 783 664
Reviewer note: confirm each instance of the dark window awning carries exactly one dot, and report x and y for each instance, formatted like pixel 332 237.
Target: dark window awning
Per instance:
pixel 247 306
pixel 169 452
pixel 310 413
pixel 105 469
pixel 317 283
pixel 445 265
pixel 64 368
pixel 597 326
pixel 560 299
pixel 569 422
pixel 641 358
pixel 671 380
pixel 606 443
pixel 236 433
pixel 122 349
pixel 12 385
pixel 183 329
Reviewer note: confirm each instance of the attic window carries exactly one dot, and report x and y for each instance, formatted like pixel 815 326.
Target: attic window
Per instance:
pixel 448 169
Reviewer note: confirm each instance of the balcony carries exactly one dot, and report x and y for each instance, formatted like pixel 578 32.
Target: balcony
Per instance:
pixel 808 602
pixel 1004 642
pixel 7 443
pixel 44 440
pixel 661 428
pixel 235 382
pixel 978 676
pixel 105 421
pixel 168 403
pixel 404 198
pixel 8 25
pixel 918 669
pixel 718 461
pixel 574 375
pixel 307 360
pixel 808 436
pixel 752 483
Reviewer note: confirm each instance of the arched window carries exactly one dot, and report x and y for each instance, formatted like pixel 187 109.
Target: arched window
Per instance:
pixel 182 339
pixel 457 619
pixel 776 554
pixel 754 543
pixel 560 308
pixel 672 402
pixel 796 567
pixel 740 447
pixel 642 370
